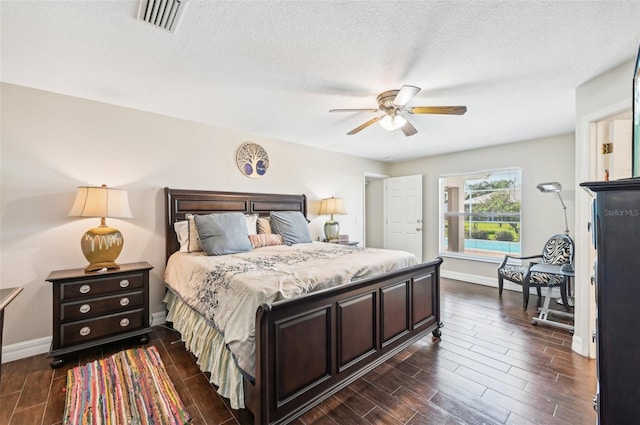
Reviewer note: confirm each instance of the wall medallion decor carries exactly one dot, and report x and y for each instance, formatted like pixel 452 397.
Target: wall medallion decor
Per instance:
pixel 252 160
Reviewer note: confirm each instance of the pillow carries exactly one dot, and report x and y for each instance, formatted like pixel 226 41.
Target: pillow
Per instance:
pixel 252 223
pixel 291 225
pixel 194 241
pixel 182 232
pixel 222 234
pixel 265 239
pixel 264 225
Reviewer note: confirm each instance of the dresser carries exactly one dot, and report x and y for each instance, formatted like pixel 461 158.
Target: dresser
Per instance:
pixel 91 309
pixel 615 227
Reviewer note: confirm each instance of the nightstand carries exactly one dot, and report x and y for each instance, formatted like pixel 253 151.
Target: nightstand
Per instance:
pixel 91 309
pixel 350 243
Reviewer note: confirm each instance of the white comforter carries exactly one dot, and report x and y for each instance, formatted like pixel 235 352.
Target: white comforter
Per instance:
pixel 228 289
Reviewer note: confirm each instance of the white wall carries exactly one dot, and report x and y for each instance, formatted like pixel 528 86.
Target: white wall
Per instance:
pixel 607 95
pixel 543 160
pixel 374 208
pixel 53 143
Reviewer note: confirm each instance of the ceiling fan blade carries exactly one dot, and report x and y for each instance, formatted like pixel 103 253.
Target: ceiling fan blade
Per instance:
pixel 363 126
pixel 408 129
pixel 404 95
pixel 448 110
pixel 353 110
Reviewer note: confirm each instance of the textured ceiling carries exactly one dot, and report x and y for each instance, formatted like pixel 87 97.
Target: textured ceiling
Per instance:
pixel 275 68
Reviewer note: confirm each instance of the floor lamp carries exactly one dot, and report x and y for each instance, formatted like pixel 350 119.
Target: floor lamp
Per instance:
pixel 555 187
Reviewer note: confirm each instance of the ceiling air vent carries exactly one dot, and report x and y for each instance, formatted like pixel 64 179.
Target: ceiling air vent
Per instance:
pixel 161 13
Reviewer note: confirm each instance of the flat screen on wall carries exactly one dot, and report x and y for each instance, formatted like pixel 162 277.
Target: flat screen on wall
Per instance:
pixel 636 117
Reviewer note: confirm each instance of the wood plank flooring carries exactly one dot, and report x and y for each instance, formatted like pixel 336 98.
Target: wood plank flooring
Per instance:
pixel 491 366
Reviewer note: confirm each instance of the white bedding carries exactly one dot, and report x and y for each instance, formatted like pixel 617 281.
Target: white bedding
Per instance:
pixel 227 290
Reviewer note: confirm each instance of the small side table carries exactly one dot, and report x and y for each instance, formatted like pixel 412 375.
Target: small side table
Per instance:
pixel 350 243
pixel 545 311
pixel 6 296
pixel 95 308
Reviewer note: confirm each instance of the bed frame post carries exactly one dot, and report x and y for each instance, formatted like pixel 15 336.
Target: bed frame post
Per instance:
pixel 259 392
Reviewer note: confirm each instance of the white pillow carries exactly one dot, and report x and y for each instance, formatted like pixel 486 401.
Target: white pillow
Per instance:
pixel 252 223
pixel 182 232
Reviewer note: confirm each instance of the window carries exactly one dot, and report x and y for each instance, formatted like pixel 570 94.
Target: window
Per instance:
pixel 480 214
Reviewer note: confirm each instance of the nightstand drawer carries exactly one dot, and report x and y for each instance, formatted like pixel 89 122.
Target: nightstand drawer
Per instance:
pixel 100 286
pixel 89 308
pixel 86 330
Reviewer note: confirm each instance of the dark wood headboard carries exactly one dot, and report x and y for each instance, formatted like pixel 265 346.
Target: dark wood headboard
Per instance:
pixel 180 202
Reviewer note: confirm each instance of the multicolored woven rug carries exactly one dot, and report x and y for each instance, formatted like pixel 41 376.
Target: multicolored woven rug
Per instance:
pixel 129 388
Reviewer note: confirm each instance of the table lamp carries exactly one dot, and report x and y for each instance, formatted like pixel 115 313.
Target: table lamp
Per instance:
pixel 331 206
pixel 101 245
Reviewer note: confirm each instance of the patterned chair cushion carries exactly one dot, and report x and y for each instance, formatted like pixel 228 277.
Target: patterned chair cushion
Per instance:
pixel 541 279
pixel 513 273
pixel 557 250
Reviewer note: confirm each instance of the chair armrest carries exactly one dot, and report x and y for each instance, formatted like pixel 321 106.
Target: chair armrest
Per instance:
pixel 513 257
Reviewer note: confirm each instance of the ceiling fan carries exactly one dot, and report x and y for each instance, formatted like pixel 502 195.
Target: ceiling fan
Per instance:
pixel 393 104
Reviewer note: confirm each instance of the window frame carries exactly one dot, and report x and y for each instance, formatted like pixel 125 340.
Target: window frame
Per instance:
pixel 499 255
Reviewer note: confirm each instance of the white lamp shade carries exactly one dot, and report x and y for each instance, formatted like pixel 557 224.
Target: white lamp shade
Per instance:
pixel 101 202
pixel 392 122
pixel 549 187
pixel 332 206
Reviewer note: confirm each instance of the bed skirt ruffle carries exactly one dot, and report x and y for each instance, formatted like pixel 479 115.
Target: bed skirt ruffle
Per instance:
pixel 207 344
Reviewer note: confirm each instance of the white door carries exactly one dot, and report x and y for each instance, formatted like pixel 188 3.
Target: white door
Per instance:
pixel 403 214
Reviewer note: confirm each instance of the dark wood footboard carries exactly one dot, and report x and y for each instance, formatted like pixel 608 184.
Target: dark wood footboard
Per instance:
pixel 308 348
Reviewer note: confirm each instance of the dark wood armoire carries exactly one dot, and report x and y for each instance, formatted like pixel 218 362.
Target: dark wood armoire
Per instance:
pixel 615 229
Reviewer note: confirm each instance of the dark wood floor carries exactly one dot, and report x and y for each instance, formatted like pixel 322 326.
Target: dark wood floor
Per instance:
pixel 491 366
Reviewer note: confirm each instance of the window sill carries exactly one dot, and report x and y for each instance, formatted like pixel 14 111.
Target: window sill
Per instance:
pixel 472 257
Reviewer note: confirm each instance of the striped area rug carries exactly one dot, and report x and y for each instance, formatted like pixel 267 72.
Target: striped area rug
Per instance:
pixel 130 387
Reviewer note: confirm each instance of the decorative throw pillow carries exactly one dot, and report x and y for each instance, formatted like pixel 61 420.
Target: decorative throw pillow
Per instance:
pixel 291 225
pixel 182 232
pixel 264 225
pixel 222 234
pixel 194 240
pixel 252 223
pixel 265 239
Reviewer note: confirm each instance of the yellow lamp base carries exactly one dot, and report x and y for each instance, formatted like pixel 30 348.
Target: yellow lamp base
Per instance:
pixel 101 246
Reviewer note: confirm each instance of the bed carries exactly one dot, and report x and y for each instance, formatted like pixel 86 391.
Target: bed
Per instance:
pixel 304 346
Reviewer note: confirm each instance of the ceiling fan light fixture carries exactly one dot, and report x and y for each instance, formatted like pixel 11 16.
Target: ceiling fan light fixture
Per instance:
pixel 392 122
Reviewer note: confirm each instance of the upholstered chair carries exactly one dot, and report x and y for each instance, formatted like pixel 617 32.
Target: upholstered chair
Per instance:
pixel 558 250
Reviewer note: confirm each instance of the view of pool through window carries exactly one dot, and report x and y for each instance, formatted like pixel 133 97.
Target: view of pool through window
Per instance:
pixel 480 214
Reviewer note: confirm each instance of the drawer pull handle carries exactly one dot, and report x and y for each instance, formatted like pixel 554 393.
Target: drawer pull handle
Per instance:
pixel 124 322
pixel 84 308
pixel 124 283
pixel 85 331
pixel 84 289
pixel 124 301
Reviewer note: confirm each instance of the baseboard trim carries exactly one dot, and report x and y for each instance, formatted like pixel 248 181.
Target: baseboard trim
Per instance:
pixel 473 278
pixel 20 350
pixel 33 347
pixel 159 318
pixel 490 281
